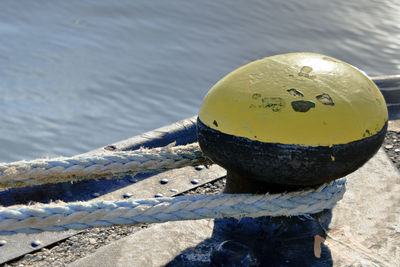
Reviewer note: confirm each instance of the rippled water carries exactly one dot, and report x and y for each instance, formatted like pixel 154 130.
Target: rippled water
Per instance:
pixel 76 75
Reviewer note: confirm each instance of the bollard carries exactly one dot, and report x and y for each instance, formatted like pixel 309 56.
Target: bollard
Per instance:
pixel 280 124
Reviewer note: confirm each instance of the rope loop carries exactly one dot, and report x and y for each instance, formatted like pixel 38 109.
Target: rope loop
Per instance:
pixel 78 215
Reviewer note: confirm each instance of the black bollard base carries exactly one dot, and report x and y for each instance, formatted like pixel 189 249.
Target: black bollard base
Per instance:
pixel 238 184
pixel 273 241
pixel 269 241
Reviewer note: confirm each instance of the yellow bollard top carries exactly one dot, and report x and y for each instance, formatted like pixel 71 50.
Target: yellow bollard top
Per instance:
pixel 297 98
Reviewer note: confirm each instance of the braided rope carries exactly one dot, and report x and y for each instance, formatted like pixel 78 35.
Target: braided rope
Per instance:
pixel 78 215
pixel 107 164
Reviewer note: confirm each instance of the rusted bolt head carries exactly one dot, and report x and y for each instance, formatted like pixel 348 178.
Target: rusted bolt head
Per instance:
pixel 293 119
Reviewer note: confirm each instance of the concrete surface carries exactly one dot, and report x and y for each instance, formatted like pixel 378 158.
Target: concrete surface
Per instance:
pixel 154 246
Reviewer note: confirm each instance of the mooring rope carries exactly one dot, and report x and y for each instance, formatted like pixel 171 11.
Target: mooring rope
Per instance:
pixel 78 215
pixel 104 165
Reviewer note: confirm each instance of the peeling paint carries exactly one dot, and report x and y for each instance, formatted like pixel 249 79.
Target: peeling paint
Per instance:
pixel 367 133
pixel 302 106
pixel 325 99
pixel 294 92
pixel 273 103
pixel 270 103
pixel 305 72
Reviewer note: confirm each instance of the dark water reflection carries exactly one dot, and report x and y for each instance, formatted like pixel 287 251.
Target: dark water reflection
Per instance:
pixel 75 75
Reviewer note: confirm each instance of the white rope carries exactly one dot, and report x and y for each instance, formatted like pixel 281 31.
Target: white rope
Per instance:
pixel 107 164
pixel 54 217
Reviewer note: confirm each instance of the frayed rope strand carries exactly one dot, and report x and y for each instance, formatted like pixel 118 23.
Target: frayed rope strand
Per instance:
pixel 105 165
pixel 78 215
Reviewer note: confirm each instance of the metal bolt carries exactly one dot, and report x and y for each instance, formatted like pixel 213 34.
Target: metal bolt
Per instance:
pixel 2 242
pixel 194 181
pixel 164 181
pixel 198 168
pixel 158 195
pixel 173 190
pixel 36 243
pixel 127 195
pixel 110 148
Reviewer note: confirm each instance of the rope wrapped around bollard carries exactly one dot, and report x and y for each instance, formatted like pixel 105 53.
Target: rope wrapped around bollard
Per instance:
pixel 78 215
pixel 62 216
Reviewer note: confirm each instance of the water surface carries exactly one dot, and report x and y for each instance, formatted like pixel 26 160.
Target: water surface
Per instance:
pixel 77 75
